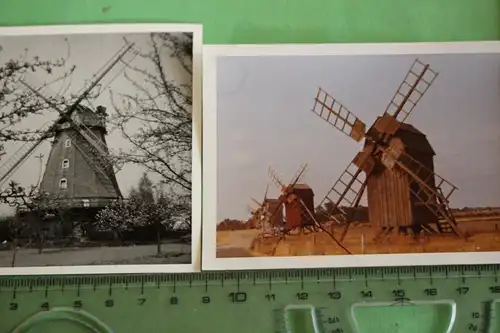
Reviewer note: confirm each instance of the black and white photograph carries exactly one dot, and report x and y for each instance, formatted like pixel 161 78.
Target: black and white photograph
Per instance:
pixel 100 165
pixel 351 155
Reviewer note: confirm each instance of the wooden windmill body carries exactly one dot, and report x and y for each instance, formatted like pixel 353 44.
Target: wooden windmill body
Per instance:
pixel 395 166
pixel 298 201
pixel 391 202
pixel 69 175
pixel 296 210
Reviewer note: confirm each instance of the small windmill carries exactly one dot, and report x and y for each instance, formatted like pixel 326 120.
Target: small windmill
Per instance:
pixel 298 200
pixel 253 220
pixel 79 169
pixel 259 214
pixel 263 216
pixel 396 165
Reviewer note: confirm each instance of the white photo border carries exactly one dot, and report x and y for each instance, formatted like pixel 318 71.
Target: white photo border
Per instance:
pixel 196 188
pixel 210 55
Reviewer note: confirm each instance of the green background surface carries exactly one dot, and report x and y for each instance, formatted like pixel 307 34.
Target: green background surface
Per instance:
pixel 276 21
pixel 280 21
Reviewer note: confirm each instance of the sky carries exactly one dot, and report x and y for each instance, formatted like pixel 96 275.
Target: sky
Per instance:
pixel 264 119
pixel 88 53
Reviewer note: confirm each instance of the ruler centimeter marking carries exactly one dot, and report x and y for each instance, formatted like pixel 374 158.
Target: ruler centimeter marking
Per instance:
pixel 248 301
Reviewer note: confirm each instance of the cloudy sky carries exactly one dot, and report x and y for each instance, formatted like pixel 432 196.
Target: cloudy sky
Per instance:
pixel 264 119
pixel 89 53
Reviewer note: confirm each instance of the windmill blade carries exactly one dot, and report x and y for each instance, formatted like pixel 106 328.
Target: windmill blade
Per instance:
pixel 98 79
pixel 349 187
pixel 265 193
pixel 123 55
pixel 19 157
pixel 44 88
pixel 416 82
pixel 333 112
pixel 275 178
pixel 256 202
pixel 298 176
pixel 313 218
pixel 102 68
pixel 251 210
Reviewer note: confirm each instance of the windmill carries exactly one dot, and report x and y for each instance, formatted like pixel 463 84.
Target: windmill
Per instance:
pixel 253 221
pixel 395 166
pixel 263 217
pixel 298 200
pixel 79 169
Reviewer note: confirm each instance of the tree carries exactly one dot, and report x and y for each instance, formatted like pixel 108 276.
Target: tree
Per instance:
pixel 119 217
pixel 17 103
pixel 162 110
pixel 323 211
pixel 159 214
pixel 38 210
pixel 144 192
pixel 145 207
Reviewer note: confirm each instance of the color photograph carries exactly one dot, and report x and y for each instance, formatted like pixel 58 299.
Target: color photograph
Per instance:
pixel 100 166
pixel 351 155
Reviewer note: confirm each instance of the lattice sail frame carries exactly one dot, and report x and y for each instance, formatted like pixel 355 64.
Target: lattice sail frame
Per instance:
pixel 417 81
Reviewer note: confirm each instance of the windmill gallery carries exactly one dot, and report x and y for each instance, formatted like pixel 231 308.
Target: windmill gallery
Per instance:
pixel 78 203
pixel 408 202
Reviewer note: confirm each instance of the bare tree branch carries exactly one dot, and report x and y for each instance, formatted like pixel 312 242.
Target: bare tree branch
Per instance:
pixel 161 110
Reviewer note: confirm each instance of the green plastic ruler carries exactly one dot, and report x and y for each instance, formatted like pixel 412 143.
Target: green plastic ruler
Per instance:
pixel 370 300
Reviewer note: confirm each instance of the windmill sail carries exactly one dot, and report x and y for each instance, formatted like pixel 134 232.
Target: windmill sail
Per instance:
pixel 416 82
pixel 345 192
pixel 15 160
pixel 333 112
pixel 107 73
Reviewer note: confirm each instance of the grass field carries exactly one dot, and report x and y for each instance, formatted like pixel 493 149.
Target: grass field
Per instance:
pixel 172 253
pixel 484 236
